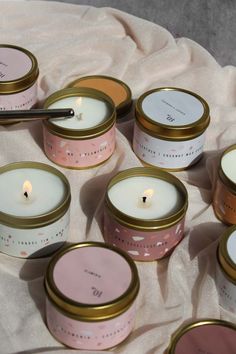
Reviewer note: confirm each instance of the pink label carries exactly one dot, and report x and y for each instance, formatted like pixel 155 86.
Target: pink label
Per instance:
pixel 92 275
pixel 14 64
pixel 79 153
pixel 21 100
pixel 141 245
pixel 89 335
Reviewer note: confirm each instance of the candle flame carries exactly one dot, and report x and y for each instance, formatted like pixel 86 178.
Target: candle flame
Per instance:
pixel 27 188
pixel 148 193
pixel 79 101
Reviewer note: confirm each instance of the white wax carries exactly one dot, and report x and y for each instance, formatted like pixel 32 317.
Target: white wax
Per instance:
pixel 228 164
pixel 126 196
pixel 89 112
pixel 48 190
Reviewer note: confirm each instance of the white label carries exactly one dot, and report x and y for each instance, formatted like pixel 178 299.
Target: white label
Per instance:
pixel 231 246
pixel 174 108
pixel 165 153
pixel 226 291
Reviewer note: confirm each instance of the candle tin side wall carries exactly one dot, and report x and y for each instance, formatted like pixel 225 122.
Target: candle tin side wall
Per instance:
pixel 145 240
pixel 18 78
pixel 39 235
pixel 103 314
pixel 224 199
pixel 80 149
pixel 170 128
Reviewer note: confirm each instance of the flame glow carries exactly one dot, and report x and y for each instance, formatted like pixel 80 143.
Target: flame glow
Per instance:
pixel 79 101
pixel 148 193
pixel 27 187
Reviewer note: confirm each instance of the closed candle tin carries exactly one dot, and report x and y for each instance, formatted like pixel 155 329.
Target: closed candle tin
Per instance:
pixel 206 336
pixel 224 199
pixel 75 144
pixel 33 220
pixel 18 78
pixel 226 270
pixel 170 128
pixel 144 212
pixel 91 291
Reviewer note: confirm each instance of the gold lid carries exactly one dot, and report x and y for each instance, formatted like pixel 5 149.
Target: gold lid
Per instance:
pixel 224 258
pixel 90 312
pixel 123 106
pixel 80 133
pixel 24 82
pixel 188 327
pixel 30 222
pixel 170 132
pixel 147 224
pixel 226 180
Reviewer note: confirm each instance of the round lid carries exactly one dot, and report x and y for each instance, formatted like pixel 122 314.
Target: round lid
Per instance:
pixel 227 252
pixel 227 168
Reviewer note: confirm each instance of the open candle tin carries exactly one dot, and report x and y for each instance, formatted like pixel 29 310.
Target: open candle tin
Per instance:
pixel 224 200
pixel 145 239
pixel 170 128
pixel 34 235
pixel 91 291
pixel 18 78
pixel 80 148
pixel 206 336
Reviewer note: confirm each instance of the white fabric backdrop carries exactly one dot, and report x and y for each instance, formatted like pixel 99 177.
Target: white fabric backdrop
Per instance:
pixel 71 41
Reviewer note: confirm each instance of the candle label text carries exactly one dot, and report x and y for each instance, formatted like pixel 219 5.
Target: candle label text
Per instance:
pixel 226 291
pixel 224 203
pixel 21 100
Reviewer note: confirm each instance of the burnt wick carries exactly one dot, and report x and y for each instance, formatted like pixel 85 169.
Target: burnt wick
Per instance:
pixel 26 195
pixel 144 199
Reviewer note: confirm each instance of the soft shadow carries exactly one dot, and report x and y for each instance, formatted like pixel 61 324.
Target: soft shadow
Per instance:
pixel 39 350
pixel 36 131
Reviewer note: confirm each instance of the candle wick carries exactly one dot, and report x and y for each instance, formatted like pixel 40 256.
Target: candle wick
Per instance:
pixel 79 116
pixel 144 199
pixel 26 194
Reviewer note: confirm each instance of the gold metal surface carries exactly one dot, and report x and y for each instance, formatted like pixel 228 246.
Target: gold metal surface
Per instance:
pixel 89 312
pixel 170 132
pixel 227 181
pixel 225 260
pixel 24 82
pixel 147 224
pixel 30 222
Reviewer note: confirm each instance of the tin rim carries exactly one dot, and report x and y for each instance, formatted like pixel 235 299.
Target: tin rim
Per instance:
pixel 186 328
pixel 226 180
pixel 30 222
pixel 122 108
pixel 147 224
pixel 224 259
pixel 80 133
pixel 90 312
pixel 24 82
pixel 168 132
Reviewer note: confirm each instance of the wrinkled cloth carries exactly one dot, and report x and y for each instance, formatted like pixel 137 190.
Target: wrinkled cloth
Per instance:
pixel 71 41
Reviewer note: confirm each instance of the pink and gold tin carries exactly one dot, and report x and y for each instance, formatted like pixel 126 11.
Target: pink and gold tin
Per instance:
pixel 224 200
pixel 91 291
pixel 18 78
pixel 145 239
pixel 80 148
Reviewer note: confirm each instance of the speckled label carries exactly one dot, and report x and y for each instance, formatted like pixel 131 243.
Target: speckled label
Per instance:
pixel 22 100
pixel 79 153
pixel 224 203
pixel 226 291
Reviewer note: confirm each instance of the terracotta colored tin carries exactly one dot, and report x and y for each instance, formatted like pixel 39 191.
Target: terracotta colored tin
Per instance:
pixel 224 200
pixel 143 233
pixel 207 336
pixel 170 128
pixel 92 308
pixel 80 148
pixel 33 224
pixel 226 270
pixel 18 78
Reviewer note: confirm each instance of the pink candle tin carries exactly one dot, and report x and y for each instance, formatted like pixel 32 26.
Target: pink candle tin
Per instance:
pixel 18 78
pixel 224 200
pixel 207 336
pixel 170 128
pixel 91 290
pixel 144 212
pixel 88 138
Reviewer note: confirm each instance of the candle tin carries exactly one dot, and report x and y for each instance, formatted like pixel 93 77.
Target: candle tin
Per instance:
pixel 92 308
pixel 117 90
pixel 226 270
pixel 18 78
pixel 224 199
pixel 81 148
pixel 170 128
pixel 150 239
pixel 39 235
pixel 206 336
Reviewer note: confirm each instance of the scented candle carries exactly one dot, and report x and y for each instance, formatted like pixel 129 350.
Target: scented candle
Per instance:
pixel 88 138
pixel 144 212
pixel 92 308
pixel 34 209
pixel 170 128
pixel 224 200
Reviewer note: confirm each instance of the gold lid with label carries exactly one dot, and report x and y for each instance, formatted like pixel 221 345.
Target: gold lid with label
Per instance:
pixel 226 180
pixel 224 258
